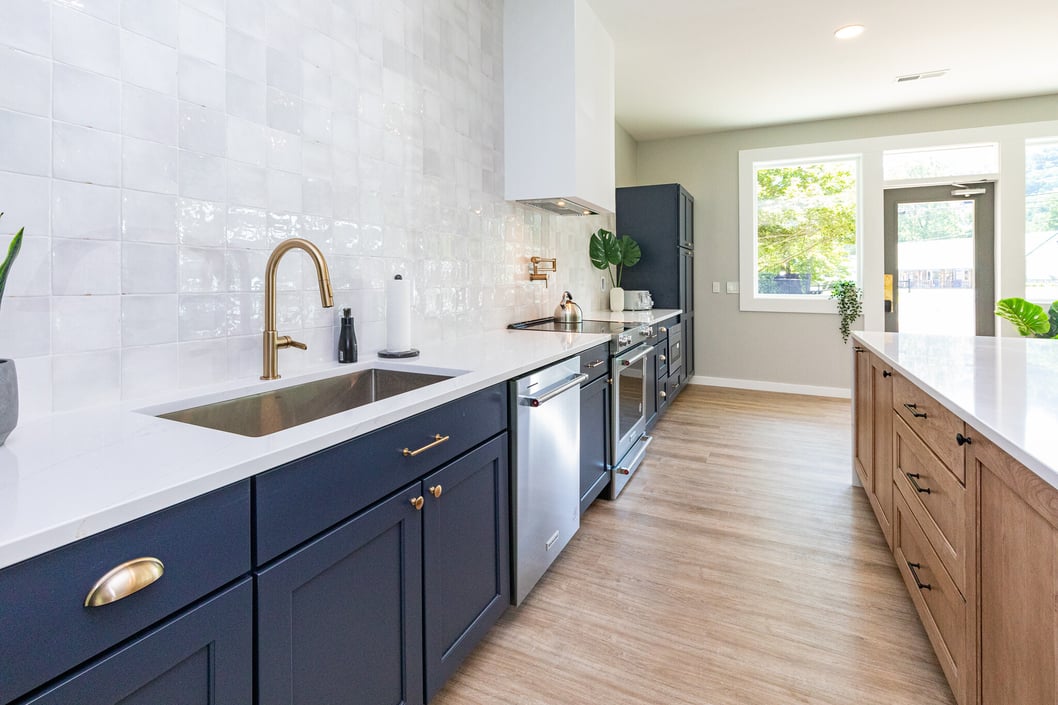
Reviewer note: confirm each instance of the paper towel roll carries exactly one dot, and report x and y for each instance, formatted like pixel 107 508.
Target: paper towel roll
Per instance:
pixel 398 314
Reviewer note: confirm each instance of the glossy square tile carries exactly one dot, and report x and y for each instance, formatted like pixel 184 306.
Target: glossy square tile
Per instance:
pixel 31 317
pixel 85 267
pixel 156 19
pixel 202 176
pixel 27 143
pixel 84 323
pixel 85 41
pixel 27 26
pixel 85 98
pixel 200 223
pixel 247 142
pixel 203 130
pixel 149 268
pixel 149 115
pixel 27 203
pixel 85 154
pixel 201 36
pixel 202 83
pixel 85 211
pixel 148 63
pixel 149 370
pixel 149 320
pixel 24 80
pixel 148 217
pixel 149 166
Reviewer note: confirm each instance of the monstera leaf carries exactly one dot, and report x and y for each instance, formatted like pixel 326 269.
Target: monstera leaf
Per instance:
pixel 629 251
pixel 1029 318
pixel 604 251
pixel 12 253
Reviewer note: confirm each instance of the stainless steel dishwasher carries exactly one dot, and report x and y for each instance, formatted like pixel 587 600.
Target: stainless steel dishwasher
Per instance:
pixel 545 480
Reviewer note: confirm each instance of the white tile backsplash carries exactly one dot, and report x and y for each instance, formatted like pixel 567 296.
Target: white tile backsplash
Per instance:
pixel 157 150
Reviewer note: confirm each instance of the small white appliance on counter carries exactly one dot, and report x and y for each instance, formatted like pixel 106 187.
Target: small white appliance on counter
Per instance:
pixel 638 300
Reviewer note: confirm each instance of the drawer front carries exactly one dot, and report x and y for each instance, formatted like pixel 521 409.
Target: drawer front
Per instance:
pixel 934 496
pixel 296 501
pixel 939 603
pixel 676 383
pixel 595 362
pixel 45 629
pixel 937 426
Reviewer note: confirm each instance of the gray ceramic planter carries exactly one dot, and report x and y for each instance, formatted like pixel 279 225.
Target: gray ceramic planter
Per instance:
pixel 8 399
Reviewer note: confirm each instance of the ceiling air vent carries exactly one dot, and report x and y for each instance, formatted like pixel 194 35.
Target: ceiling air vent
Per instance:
pixel 921 76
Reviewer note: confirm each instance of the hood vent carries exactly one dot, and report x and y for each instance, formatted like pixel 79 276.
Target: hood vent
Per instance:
pixel 560 206
pixel 921 76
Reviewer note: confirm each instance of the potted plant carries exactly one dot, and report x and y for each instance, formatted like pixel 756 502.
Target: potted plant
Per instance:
pixel 8 379
pixel 612 253
pixel 1030 319
pixel 850 304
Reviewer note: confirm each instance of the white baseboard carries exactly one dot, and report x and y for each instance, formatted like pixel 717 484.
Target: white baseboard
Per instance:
pixel 764 386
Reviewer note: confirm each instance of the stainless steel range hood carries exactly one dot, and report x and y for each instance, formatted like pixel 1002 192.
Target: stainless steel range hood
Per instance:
pixel 560 206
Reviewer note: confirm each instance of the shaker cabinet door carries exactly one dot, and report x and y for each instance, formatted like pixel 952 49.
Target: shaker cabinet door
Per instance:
pixel 203 656
pixel 595 437
pixel 466 559
pixel 339 621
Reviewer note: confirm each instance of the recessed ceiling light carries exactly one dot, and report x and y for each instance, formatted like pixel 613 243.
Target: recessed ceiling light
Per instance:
pixel 849 31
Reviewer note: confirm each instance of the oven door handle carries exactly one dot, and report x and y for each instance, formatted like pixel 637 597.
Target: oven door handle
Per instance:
pixel 548 395
pixel 637 357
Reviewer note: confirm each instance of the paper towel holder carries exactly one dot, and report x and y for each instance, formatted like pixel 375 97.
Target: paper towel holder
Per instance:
pixel 398 354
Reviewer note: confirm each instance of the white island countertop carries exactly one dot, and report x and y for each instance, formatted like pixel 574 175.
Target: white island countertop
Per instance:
pixel 1006 388
pixel 67 476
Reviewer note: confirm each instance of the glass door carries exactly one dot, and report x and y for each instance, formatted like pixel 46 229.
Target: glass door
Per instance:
pixel 940 254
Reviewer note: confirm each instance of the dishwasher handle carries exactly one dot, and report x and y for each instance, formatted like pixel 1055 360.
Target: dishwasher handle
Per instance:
pixel 549 394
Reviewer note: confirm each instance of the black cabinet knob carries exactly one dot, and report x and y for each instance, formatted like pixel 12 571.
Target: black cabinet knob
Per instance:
pixel 886 373
pixel 961 439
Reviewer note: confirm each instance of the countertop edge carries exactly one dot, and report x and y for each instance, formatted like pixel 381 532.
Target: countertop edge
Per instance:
pixel 996 436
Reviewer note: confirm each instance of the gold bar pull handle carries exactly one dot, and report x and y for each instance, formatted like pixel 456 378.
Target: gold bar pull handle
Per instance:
pixel 127 578
pixel 438 439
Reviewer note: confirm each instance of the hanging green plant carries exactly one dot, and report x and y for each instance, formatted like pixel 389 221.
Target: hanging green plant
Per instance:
pixel 12 253
pixel 850 304
pixel 1031 320
pixel 612 253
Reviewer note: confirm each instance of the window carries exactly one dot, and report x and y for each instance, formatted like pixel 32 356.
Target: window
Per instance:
pixel 1041 221
pixel 934 162
pixel 806 221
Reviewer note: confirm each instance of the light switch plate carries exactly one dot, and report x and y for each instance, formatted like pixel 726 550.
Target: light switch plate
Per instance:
pixel 732 287
pixel 716 287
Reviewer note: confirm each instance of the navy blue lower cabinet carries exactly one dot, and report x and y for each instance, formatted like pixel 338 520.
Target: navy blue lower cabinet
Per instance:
pixel 202 656
pixel 465 556
pixel 594 440
pixel 339 621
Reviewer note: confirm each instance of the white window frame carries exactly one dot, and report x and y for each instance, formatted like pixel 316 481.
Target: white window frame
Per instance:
pixel 1010 209
pixel 803 303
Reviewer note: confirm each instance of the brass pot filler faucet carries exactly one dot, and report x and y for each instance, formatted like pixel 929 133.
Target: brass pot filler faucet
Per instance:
pixel 272 340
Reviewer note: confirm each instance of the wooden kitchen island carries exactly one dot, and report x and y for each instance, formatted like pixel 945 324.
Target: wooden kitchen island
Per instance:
pixel 956 445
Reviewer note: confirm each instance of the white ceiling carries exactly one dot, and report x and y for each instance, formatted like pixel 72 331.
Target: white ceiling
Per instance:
pixel 692 66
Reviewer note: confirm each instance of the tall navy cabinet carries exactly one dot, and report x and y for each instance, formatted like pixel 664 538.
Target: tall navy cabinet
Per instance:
pixel 661 219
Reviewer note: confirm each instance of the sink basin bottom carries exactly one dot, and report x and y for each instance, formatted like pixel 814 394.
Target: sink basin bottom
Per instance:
pixel 268 412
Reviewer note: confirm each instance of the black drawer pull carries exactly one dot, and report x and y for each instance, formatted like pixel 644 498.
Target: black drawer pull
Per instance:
pixel 914 573
pixel 961 439
pixel 914 477
pixel 858 349
pixel 913 408
pixel 594 363
pixel 886 373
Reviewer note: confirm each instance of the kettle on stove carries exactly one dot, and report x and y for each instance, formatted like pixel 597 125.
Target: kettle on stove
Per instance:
pixel 567 310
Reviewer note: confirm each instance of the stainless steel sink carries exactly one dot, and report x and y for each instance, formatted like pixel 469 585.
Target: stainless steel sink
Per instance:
pixel 261 414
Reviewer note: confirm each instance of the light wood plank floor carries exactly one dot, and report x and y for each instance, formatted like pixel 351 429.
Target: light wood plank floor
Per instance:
pixel 738 567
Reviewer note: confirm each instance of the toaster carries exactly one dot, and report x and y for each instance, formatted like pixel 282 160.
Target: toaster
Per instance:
pixel 638 301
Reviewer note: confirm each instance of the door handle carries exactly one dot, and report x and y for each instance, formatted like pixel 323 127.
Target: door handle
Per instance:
pixel 638 356
pixel 540 399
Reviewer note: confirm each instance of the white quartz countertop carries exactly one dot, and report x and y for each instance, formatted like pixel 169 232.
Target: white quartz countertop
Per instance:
pixel 654 315
pixel 67 476
pixel 1006 388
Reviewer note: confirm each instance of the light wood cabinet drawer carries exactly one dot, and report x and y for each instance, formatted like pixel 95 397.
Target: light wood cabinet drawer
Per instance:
pixel 937 426
pixel 940 605
pixel 935 497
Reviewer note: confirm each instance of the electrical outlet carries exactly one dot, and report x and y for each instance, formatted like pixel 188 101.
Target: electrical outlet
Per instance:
pixel 732 287
pixel 716 287
pixel 602 283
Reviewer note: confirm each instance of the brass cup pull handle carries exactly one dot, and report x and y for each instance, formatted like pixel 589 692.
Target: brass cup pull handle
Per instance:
pixel 438 439
pixel 914 477
pixel 913 408
pixel 123 580
pixel 417 502
pixel 436 491
pixel 913 567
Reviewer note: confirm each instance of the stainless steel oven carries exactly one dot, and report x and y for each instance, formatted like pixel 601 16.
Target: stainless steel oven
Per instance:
pixel 630 375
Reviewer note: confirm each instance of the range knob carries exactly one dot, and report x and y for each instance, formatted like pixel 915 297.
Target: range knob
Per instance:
pixel 623 340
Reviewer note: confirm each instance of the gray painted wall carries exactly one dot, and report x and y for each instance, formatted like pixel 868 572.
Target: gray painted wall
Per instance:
pixel 785 348
pixel 625 156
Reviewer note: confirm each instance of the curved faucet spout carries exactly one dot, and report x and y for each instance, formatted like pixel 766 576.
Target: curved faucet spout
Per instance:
pixel 272 340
